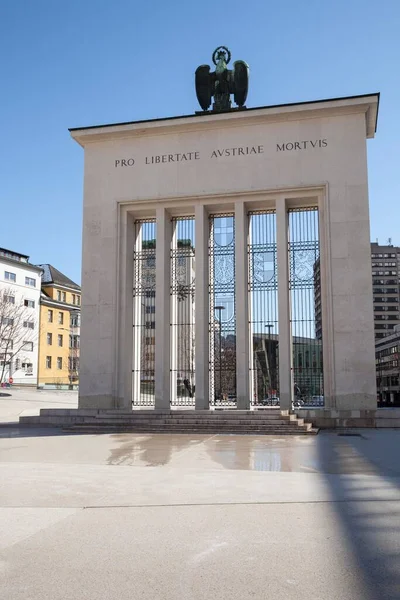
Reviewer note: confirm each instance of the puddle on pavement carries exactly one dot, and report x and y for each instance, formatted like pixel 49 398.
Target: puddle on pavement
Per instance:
pixel 315 454
pixel 262 453
pixel 148 450
pixel 231 452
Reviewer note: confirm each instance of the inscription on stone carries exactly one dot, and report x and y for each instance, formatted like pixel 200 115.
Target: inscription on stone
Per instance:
pixel 124 162
pixel 239 151
pixel 178 157
pixel 235 151
pixel 303 145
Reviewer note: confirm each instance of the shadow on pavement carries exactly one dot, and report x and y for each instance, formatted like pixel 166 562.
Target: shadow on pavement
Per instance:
pixel 365 494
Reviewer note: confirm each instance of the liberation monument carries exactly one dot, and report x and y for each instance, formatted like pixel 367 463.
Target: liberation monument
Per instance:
pixel 226 256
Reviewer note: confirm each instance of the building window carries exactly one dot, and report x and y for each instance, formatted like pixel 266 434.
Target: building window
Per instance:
pixel 27 367
pixel 28 346
pixel 30 281
pixel 29 324
pixel 17 364
pixel 10 276
pixel 73 298
pixel 7 321
pixel 50 316
pixel 73 364
pixel 6 344
pixel 150 325
pixel 75 320
pixel 150 309
pixel 60 318
pixel 150 341
pixel 48 362
pixel 49 339
pixel 78 300
pixel 59 362
pixel 59 295
pixel 10 299
pixel 64 297
pixel 29 303
pixel 60 339
pixel 74 341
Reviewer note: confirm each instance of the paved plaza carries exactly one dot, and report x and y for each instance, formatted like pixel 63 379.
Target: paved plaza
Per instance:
pixel 19 402
pixel 124 516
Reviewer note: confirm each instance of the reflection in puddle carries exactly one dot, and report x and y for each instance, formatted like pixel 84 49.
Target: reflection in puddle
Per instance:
pixel 248 453
pixel 264 453
pixel 252 454
pixel 147 450
pixel 265 461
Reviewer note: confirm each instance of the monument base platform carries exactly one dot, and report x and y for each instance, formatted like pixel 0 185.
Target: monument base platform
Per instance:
pixel 271 421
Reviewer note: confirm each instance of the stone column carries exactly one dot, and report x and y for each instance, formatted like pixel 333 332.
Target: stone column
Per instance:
pixel 285 345
pixel 326 303
pixel 162 336
pixel 201 309
pixel 137 319
pixel 174 335
pixel 242 308
pixel 124 312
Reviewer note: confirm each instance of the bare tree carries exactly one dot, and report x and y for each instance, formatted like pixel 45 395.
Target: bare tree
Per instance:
pixel 17 328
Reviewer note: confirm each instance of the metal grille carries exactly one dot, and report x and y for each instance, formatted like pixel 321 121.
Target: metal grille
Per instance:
pixel 222 319
pixel 305 296
pixel 182 312
pixel 144 317
pixel 263 290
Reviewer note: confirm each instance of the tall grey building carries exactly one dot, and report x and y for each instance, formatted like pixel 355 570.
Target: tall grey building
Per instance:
pixel 385 280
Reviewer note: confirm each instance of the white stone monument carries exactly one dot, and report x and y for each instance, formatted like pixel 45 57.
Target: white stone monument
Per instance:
pixel 309 154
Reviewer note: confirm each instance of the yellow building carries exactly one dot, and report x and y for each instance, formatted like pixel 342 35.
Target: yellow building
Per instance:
pixel 59 338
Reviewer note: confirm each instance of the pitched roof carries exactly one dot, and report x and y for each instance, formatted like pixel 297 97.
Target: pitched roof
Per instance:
pixel 51 275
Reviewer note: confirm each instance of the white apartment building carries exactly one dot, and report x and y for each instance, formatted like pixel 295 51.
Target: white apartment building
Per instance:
pixel 20 284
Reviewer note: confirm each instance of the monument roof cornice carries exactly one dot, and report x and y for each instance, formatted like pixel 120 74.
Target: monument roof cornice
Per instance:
pixel 366 103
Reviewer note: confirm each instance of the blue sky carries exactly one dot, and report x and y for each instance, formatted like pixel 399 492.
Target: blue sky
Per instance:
pixel 86 62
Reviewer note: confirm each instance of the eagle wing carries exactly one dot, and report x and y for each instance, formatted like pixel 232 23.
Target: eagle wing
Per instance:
pixel 240 81
pixel 204 85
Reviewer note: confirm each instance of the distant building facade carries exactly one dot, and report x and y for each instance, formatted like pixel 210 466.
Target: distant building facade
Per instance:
pixel 388 369
pixel 19 318
pixel 385 281
pixel 59 348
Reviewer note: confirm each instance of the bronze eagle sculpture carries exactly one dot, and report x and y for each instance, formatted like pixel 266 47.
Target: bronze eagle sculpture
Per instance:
pixel 222 82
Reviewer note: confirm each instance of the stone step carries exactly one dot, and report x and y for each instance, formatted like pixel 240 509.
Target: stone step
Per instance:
pixel 170 421
pixel 213 426
pixel 100 421
pixel 192 420
pixel 214 413
pixel 210 426
pixel 192 430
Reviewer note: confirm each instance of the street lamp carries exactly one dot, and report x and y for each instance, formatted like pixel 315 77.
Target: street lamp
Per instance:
pixel 220 309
